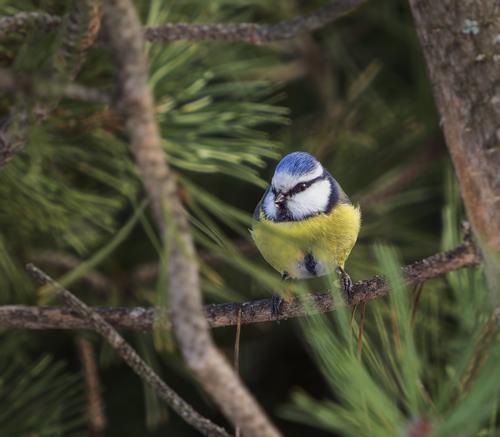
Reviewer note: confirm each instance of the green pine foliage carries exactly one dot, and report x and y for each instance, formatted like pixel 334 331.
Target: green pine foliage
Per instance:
pixel 41 399
pixel 433 366
pixel 356 95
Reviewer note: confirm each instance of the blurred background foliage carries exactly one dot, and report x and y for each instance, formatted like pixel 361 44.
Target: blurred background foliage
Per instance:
pixel 356 95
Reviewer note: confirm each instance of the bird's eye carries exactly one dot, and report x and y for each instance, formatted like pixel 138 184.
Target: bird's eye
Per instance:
pixel 302 186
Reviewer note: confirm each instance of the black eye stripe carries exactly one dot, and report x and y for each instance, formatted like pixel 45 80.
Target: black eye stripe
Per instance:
pixel 304 185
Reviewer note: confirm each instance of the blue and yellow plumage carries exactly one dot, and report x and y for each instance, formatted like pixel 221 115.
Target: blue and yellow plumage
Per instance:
pixel 305 225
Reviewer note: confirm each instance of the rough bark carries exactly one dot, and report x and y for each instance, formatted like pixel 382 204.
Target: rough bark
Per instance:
pixel 252 33
pixel 130 356
pixel 22 21
pixel 226 314
pixel 461 44
pixel 209 366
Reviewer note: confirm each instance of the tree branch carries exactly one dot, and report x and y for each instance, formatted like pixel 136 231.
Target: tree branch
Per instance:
pixel 22 21
pixel 130 356
pixel 77 32
pixel 14 82
pixel 460 43
pixel 209 366
pixel 250 33
pixel 226 314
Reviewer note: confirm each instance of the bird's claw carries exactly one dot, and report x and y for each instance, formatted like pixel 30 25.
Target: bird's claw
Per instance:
pixel 346 283
pixel 276 304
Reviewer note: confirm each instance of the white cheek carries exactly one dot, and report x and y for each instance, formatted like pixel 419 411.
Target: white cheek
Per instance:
pixel 285 182
pixel 313 200
pixel 269 206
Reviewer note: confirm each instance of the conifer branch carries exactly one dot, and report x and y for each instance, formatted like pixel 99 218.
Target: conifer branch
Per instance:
pixel 250 33
pixel 257 311
pixel 209 366
pixel 78 31
pixel 23 21
pixel 130 356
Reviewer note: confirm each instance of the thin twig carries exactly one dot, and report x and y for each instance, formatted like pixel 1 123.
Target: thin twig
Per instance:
pixel 226 314
pixel 37 86
pixel 237 355
pixel 208 365
pixel 23 21
pixel 95 405
pixel 237 342
pixel 78 33
pixel 130 356
pixel 252 33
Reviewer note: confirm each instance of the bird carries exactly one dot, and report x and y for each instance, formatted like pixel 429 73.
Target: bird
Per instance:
pixel 305 225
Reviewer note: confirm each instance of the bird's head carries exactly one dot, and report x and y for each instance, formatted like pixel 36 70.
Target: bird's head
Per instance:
pixel 300 188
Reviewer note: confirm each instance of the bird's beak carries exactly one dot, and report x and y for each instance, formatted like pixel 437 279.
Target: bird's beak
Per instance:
pixel 280 200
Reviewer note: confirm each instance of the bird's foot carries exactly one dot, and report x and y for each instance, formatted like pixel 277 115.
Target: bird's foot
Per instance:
pixel 346 284
pixel 277 300
pixel 276 305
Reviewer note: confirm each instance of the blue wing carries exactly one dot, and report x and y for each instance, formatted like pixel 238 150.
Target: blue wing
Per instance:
pixel 338 194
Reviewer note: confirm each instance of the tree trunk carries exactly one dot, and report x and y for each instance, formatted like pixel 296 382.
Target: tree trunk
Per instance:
pixel 461 43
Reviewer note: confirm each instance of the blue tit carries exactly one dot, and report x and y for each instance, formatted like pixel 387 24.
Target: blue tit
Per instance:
pixel 305 226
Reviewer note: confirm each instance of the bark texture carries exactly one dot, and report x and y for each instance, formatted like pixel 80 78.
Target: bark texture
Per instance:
pixel 257 311
pixel 252 33
pixel 461 44
pixel 131 357
pixel 209 366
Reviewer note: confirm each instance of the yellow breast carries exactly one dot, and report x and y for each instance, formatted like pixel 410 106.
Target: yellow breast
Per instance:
pixel 329 238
